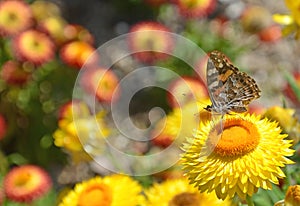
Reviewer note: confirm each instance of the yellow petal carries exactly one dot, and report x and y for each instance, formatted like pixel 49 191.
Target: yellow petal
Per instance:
pixel 283 19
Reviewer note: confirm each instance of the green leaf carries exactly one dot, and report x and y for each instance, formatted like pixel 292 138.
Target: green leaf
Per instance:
pixel 291 80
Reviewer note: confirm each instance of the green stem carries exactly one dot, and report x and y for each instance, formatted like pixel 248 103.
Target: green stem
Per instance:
pixel 249 201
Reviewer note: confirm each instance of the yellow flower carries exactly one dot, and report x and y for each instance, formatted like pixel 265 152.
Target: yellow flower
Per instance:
pixel 292 21
pixel 179 124
pixel 292 197
pixel 249 155
pixel 287 121
pixel 179 192
pixel 73 134
pixel 44 9
pixel 115 190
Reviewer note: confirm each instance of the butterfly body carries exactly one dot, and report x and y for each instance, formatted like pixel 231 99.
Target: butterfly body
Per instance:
pixel 230 90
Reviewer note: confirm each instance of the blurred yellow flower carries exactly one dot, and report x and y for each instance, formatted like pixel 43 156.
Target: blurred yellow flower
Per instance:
pixel 179 192
pixel 248 154
pixel 72 135
pixel 44 9
pixel 180 123
pixel 287 121
pixel 290 21
pixel 115 190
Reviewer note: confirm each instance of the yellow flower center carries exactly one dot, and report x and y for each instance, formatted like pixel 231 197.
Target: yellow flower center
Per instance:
pixel 185 199
pixel 237 138
pixel 23 179
pixel 95 195
pixel 192 4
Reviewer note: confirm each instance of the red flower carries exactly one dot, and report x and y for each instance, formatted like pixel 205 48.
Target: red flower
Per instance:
pixel 13 73
pixel 150 41
pixel 26 183
pixel 270 34
pixel 195 8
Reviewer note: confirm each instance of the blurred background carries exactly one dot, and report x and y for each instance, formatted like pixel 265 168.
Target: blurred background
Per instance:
pixel 44 46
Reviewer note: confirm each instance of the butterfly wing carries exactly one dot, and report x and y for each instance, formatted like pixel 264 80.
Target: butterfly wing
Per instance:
pixel 229 89
pixel 218 71
pixel 241 90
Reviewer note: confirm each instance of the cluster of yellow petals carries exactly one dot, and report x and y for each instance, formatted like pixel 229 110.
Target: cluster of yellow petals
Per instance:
pixel 179 192
pixel 286 120
pixel 114 190
pixel 180 123
pixel 248 154
pixel 290 21
pixel 78 127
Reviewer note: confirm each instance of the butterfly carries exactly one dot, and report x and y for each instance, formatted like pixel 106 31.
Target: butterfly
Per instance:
pixel 230 90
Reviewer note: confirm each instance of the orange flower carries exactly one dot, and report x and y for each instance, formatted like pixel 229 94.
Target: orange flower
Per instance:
pixel 15 16
pixel 26 183
pixel 34 46
pixel 102 83
pixel 150 41
pixel 195 8
pixel 78 53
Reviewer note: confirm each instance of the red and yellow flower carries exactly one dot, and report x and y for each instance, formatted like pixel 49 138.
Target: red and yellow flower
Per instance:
pixel 195 8
pixel 26 183
pixel 34 46
pixel 150 41
pixel 15 16
pixel 102 83
pixel 78 53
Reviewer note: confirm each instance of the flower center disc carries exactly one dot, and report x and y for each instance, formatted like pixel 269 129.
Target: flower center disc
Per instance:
pixel 95 195
pixel 237 138
pixel 185 199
